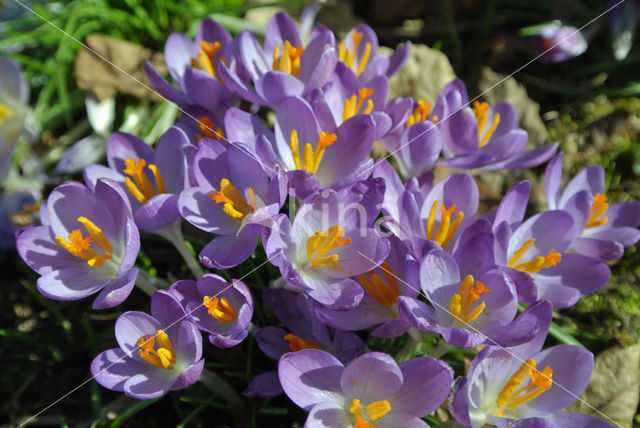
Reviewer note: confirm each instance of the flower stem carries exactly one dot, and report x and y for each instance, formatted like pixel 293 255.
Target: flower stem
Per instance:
pixel 220 388
pixel 173 234
pixel 144 284
pixel 440 350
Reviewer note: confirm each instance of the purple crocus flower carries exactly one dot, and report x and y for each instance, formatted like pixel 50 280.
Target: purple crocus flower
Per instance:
pixel 559 42
pixel 472 301
pixel 222 310
pixel 90 243
pixel 330 241
pixel 280 68
pixel 16 118
pixel 525 386
pixel 195 67
pixel 397 276
pixel 482 136
pixel 371 391
pixel 314 159
pixel 304 331
pixel 233 199
pixel 601 230
pixel 153 179
pixel 18 209
pixel 157 353
pixel 359 51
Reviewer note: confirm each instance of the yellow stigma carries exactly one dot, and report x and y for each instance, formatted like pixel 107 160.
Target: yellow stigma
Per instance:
pixel 537 263
pixel 235 205
pixel 5 111
pixel 420 113
pixel 363 417
pixel 205 59
pixel 353 104
pixel 161 356
pixel 598 209
pixel 349 56
pixel 481 111
pixel 220 309
pixel 208 129
pixel 321 243
pixel 511 396
pixel 448 226
pixel 297 343
pixel 384 291
pixel 289 60
pixel 80 246
pixel 138 182
pixel 311 157
pixel 460 305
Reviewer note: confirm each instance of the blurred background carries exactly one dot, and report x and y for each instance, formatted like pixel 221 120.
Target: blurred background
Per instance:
pixel 587 98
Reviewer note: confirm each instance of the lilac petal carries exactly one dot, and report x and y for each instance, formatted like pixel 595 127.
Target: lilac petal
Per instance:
pixel 460 133
pixel 237 86
pixel 317 63
pixel 367 314
pixel 550 229
pixel 394 187
pixel 572 367
pixel 506 146
pixel 275 86
pixel 553 181
pixel 416 313
pixel 393 420
pixel 72 283
pixel 294 114
pixel 626 236
pixel 398 58
pixel 624 214
pixel 188 376
pixel 513 206
pixel 92 173
pixel 179 50
pixel 540 313
pixel 438 269
pixel 197 208
pixel 420 147
pixel 132 245
pixel 458 189
pixel 152 383
pixel 224 342
pixel 329 414
pixel 280 28
pixel 264 385
pixel 205 90
pixel 111 368
pixel 245 127
pixel 13 81
pixel 524 283
pixel 590 179
pixel 167 310
pixel 426 384
pixel 579 206
pixel 371 377
pixel 122 146
pixel 211 31
pixel 116 292
pixel 310 376
pixel 131 326
pixel 271 341
pixel 366 251
pixel 158 212
pixel 576 420
pixel 227 251
pixel 459 402
pixel 474 249
pixel 163 87
pixel 41 253
pixel 527 159
pixel 599 249
pixel 342 295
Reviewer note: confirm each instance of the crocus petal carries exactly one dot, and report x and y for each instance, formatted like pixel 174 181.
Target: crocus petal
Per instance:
pixel 227 251
pixel 576 420
pixel 371 377
pixel 264 385
pixel 73 283
pixel 204 90
pixel 130 327
pixel 310 376
pixel 188 376
pixel 41 253
pixel 553 181
pixel 590 178
pixel 280 28
pixel 317 63
pixel 513 206
pixel 117 291
pixel 526 159
pixel 327 415
pixel 275 86
pixel 152 383
pixel 341 295
pixel 112 368
pixel 599 249
pixel 163 87
pixel 398 58
pixel 158 212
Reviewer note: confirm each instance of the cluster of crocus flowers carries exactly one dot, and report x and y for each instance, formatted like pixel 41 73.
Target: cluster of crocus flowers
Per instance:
pixel 432 265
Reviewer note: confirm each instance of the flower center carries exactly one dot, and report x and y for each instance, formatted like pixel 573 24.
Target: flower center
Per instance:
pixel 348 55
pixel 310 158
pixel 235 205
pixel 208 129
pixel 353 104
pixel 420 113
pixel 598 209
pixel 363 416
pixel 447 227
pixel 220 309
pixel 537 263
pixel 511 396
pixel 138 182
pixel 297 343
pixel 161 356
pixel 289 60
pixel 461 302
pixel 80 246
pixel 205 59
pixel 5 111
pixel 481 111
pixel 384 291
pixel 321 243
